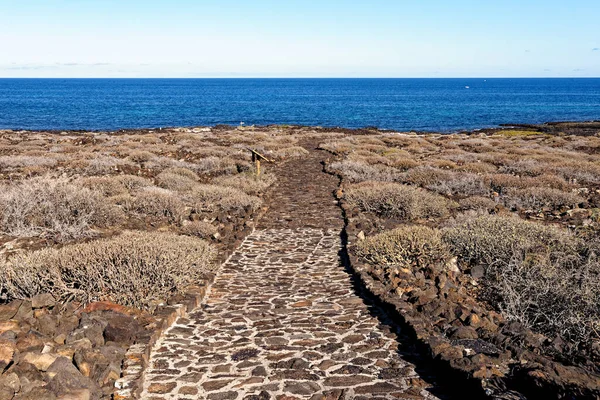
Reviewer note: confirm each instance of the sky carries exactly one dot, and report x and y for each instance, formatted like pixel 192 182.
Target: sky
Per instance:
pixel 299 38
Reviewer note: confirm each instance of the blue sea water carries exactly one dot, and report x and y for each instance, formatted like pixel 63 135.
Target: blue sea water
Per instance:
pixel 400 104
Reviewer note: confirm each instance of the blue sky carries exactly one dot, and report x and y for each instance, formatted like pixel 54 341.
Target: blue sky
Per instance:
pixel 293 38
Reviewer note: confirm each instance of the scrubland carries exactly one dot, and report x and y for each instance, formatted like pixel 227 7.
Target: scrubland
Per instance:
pixel 515 212
pixel 132 216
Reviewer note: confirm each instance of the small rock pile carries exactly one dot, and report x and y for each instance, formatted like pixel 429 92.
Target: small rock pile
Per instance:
pixel 50 350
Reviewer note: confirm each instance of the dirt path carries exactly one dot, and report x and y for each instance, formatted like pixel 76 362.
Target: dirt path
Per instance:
pixel 283 319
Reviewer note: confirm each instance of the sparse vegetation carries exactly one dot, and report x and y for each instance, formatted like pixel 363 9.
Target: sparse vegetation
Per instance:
pixel 519 205
pixel 55 208
pixel 135 268
pixel 396 201
pixel 413 247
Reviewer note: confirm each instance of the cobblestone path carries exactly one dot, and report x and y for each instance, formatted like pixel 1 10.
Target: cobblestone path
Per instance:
pixel 282 319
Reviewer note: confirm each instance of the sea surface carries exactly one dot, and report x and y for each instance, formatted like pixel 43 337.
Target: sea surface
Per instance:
pixel 399 104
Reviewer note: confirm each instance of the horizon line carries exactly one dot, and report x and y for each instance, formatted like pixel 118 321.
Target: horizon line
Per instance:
pixel 300 77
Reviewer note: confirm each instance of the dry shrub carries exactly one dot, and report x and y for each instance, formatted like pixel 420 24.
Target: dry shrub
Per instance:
pixel 217 166
pixel 367 157
pixel 460 184
pixel 176 182
pixel 20 161
pixel 492 240
pixel 356 171
pixel 425 175
pixel 185 172
pixel 210 198
pixel 525 167
pixel 405 247
pixel 547 180
pixel 157 203
pixel 540 197
pixel 107 185
pixel 396 201
pixel 441 163
pixel 552 297
pixel 478 168
pixel 105 165
pixel 290 152
pixel 134 269
pixel 140 156
pixel 133 182
pixel 247 183
pixel 401 162
pixel 199 229
pixel 539 275
pixel 53 207
pixel 341 146
pixel 476 203
pixel 579 172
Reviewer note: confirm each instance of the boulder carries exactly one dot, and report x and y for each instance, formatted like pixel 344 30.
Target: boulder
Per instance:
pixel 37 393
pixel 67 382
pixel 11 381
pixel 43 300
pixel 121 329
pixel 10 325
pixel 8 311
pixel 41 361
pixel 7 352
pixel 91 330
pixel 31 342
pixel 26 371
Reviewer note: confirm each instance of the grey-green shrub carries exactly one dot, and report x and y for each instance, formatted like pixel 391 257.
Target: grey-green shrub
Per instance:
pixel 396 200
pixel 412 246
pixel 134 269
pixel 56 208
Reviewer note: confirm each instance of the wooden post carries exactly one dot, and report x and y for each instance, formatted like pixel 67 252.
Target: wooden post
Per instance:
pixel 256 157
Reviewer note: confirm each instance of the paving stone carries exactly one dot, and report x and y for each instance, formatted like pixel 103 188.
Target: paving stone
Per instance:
pixel 282 319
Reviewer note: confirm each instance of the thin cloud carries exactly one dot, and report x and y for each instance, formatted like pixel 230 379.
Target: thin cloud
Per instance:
pixel 28 67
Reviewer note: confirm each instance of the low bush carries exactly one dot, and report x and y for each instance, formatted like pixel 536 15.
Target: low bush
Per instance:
pixel 404 247
pixel 133 182
pixel 217 166
pixel 396 200
pixel 356 171
pixel 55 208
pixel 176 182
pixel 493 240
pixel 157 203
pixel 542 276
pixel 105 165
pixel 185 172
pixel 200 229
pixel 460 184
pixel 210 198
pixel 290 152
pixel 537 198
pixel 21 161
pixel 425 175
pixel 247 183
pixel 134 269
pixel 476 203
pixel 107 185
pixel 140 156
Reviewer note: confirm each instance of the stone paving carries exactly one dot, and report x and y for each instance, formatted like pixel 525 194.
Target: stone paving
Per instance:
pixel 282 319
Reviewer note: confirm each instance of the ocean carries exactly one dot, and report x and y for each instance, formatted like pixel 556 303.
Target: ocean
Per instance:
pixel 400 104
